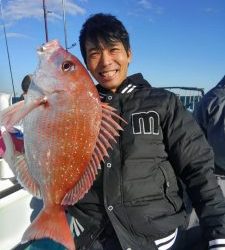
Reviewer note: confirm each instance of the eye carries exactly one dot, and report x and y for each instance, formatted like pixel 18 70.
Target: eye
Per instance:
pixel 114 49
pixel 94 54
pixel 68 66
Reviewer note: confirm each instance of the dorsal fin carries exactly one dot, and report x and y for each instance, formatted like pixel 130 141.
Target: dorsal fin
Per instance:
pixel 108 131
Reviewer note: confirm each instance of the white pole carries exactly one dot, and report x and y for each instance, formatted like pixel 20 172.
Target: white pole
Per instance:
pixel 64 24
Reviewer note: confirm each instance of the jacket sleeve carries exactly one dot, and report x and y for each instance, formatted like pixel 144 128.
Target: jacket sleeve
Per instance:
pixel 193 161
pixel 210 115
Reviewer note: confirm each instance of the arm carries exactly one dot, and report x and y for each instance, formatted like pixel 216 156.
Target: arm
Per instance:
pixel 193 161
pixel 210 115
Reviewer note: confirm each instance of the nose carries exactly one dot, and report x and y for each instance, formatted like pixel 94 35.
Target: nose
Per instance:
pixel 106 58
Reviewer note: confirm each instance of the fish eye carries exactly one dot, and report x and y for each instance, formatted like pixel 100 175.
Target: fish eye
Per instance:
pixel 68 66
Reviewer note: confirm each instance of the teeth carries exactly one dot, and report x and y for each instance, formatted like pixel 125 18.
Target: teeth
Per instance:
pixel 108 73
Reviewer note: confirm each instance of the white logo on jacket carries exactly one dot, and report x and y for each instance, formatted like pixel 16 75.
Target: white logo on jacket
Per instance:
pixel 145 123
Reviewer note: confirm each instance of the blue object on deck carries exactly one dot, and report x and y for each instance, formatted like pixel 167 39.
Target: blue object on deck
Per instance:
pixel 42 244
pixel 17 133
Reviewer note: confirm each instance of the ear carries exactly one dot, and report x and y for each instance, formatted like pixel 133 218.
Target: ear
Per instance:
pixel 129 55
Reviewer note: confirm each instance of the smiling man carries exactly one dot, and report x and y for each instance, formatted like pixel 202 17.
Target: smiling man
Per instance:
pixel 108 63
pixel 136 202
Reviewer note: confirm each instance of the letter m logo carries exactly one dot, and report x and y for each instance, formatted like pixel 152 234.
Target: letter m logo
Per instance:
pixel 145 123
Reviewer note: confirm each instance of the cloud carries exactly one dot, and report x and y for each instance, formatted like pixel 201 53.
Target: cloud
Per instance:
pixel 17 35
pixel 146 4
pixel 146 10
pixel 15 10
pixel 210 10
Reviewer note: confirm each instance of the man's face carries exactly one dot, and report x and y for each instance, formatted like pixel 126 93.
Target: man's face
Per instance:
pixel 108 63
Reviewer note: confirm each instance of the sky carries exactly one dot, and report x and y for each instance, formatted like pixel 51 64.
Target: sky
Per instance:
pixel 174 42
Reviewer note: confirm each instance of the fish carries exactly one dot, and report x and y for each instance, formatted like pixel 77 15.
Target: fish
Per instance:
pixel 67 134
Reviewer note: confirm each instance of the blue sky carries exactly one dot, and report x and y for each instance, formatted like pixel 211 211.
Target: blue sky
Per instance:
pixel 174 42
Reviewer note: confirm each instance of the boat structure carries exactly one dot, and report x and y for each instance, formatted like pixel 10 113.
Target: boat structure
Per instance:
pixel 189 96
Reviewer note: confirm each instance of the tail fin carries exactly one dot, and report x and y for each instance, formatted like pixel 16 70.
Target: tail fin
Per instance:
pixel 51 223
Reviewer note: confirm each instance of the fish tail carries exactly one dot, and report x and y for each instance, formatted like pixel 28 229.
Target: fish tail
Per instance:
pixel 51 223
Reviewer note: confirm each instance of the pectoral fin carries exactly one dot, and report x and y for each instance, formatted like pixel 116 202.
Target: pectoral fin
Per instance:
pixel 16 112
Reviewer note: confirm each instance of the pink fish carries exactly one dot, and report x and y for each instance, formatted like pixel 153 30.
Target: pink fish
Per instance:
pixel 67 131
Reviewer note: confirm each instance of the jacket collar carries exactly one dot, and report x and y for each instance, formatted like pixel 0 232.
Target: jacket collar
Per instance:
pixel 128 85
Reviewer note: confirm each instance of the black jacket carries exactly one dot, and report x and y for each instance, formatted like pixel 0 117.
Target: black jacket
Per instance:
pixel 141 196
pixel 210 114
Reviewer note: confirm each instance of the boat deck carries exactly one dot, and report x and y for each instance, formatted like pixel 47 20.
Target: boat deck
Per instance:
pixel 15 210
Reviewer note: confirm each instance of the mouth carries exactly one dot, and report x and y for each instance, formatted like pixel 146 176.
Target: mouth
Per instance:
pixel 109 74
pixel 48 47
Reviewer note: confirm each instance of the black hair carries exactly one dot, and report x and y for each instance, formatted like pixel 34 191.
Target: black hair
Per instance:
pixel 26 83
pixel 105 27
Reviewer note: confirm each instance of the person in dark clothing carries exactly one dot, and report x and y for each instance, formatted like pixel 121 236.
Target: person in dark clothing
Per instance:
pixel 25 85
pixel 210 115
pixel 136 202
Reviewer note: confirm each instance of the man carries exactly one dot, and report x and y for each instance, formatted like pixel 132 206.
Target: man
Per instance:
pixel 136 201
pixel 210 114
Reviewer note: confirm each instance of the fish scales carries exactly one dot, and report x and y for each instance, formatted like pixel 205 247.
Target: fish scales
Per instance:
pixel 67 131
pixel 49 127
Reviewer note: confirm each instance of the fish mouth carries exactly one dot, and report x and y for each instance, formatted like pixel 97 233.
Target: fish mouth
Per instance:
pixel 48 47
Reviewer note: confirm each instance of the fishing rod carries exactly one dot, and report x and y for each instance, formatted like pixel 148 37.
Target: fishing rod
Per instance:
pixel 64 25
pixel 7 49
pixel 45 21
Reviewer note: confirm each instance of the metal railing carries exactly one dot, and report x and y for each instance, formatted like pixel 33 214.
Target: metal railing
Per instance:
pixel 189 96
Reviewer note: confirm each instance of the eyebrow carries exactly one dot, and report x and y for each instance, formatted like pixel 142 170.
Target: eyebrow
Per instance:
pixel 93 48
pixel 98 46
